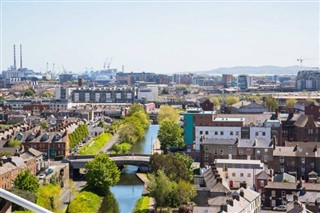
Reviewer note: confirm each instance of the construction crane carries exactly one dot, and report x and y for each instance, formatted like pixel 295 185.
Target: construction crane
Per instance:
pixel 301 60
pixel 105 63
pixel 109 63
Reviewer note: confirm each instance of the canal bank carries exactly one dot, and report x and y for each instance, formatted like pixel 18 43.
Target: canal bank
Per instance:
pixel 130 188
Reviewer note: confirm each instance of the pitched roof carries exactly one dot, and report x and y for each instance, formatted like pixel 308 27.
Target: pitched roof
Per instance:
pixel 263 175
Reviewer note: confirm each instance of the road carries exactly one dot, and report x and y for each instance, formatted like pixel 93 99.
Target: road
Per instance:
pixel 66 194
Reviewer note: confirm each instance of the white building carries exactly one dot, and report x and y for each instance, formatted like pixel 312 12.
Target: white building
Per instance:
pixel 149 93
pixel 237 171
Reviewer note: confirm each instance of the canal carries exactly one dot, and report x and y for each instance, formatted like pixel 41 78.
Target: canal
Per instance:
pixel 129 188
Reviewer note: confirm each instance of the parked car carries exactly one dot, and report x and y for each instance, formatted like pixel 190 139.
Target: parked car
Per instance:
pixel 49 171
pixel 42 176
pixel 280 208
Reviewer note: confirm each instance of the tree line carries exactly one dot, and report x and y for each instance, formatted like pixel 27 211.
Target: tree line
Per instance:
pixel 80 133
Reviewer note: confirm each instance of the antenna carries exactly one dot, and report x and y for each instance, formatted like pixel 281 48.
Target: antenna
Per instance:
pixel 20 56
pixel 14 57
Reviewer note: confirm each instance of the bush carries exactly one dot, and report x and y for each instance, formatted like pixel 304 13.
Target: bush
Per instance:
pixel 85 202
pixel 142 205
pixel 121 148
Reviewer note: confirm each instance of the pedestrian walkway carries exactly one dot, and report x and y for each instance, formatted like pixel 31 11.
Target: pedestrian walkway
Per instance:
pixel 107 147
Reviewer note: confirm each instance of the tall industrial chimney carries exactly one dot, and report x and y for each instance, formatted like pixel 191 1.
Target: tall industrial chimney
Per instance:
pixel 14 57
pixel 20 56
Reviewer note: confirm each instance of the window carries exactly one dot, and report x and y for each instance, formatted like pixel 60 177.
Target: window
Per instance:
pixel 215 152
pixel 261 183
pixel 283 193
pixel 230 147
pixel 312 165
pixel 242 166
pixel 216 133
pixel 233 174
pixel 310 131
pixel 257 133
pixel 303 160
pixel 241 174
pixel 201 132
pixel 266 158
pixel 221 133
pixel 231 132
pixel 240 152
pixel 273 193
pixel 237 132
pixel 221 152
pixel 206 147
pixel 263 133
pixel 249 175
pixel 206 156
pixel 207 132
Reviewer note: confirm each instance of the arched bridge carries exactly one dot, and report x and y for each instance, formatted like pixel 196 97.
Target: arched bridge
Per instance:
pixel 140 160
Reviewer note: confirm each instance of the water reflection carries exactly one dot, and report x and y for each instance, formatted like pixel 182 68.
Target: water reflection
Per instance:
pixel 129 189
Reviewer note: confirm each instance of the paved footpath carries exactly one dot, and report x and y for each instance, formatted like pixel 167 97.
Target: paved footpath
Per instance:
pixel 107 147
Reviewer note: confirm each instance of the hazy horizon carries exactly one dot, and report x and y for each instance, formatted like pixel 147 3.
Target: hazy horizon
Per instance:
pixel 161 37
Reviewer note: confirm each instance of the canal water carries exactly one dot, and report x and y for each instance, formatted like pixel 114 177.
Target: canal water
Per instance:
pixel 129 188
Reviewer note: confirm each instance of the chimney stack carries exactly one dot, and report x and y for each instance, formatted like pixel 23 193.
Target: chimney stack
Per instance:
pixel 20 56
pixel 14 57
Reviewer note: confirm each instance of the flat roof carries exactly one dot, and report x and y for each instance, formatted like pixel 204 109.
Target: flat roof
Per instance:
pixel 237 161
pixel 229 120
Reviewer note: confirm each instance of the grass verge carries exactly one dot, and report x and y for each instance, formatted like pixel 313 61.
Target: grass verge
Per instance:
pixel 94 145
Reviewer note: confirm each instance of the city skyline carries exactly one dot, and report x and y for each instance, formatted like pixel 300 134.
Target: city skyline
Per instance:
pixel 160 37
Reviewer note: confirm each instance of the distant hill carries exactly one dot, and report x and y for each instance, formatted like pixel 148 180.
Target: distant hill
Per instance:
pixel 261 70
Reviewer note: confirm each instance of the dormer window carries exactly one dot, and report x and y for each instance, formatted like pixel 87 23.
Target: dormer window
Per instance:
pixel 45 137
pixel 30 137
pixel 57 137
pixel 18 136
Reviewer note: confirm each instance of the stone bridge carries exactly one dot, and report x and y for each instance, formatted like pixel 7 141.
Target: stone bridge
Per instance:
pixel 79 161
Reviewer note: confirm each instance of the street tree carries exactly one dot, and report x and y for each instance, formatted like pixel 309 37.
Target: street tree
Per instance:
pixel 26 181
pixel 215 101
pixel 101 173
pixel 170 135
pixel 271 103
pixel 230 100
pixel 48 94
pixel 168 112
pixel 313 101
pixel 290 103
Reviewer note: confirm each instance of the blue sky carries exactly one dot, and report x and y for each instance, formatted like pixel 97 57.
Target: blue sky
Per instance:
pixel 160 36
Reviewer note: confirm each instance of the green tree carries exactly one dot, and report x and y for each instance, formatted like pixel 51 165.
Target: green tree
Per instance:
pixel 313 101
pixel 271 103
pixel 168 112
pixel 48 94
pixel 14 143
pixel 160 187
pixel 48 196
pixel 44 125
pixel 131 131
pixel 29 93
pixel 85 202
pixel 230 100
pixel 135 108
pixel 26 181
pixel 290 103
pixel 101 173
pixel 175 166
pixel 30 196
pixel 170 135
pixel 215 102
pixel 185 192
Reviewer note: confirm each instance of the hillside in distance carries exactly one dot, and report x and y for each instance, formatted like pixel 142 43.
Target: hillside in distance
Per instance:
pixel 260 70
